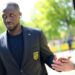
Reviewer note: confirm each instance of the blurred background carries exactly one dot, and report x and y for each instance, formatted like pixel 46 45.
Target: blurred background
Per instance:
pixel 56 18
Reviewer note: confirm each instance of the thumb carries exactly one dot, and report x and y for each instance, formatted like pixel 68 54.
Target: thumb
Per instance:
pixel 55 57
pixel 69 57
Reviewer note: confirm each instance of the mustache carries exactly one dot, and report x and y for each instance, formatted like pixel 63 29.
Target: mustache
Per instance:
pixel 9 23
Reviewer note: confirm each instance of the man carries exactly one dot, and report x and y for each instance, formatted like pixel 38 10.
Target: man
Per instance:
pixel 69 41
pixel 23 50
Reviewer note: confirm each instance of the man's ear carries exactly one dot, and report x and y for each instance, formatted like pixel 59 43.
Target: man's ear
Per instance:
pixel 20 14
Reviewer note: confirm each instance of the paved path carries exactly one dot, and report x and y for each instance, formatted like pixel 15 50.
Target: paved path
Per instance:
pixel 63 54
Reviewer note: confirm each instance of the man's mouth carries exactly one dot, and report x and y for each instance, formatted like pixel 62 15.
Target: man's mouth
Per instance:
pixel 9 23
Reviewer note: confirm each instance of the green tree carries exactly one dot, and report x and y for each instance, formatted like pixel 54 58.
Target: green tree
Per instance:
pixel 2 26
pixel 54 17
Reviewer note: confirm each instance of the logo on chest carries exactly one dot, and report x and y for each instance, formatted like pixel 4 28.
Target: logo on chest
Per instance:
pixel 35 55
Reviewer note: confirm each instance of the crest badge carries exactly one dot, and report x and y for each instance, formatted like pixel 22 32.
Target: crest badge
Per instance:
pixel 35 55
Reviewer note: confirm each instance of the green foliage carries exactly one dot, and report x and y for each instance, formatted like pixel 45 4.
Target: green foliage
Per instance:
pixel 54 17
pixel 2 26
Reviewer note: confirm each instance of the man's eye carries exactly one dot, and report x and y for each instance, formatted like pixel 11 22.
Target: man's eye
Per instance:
pixel 4 16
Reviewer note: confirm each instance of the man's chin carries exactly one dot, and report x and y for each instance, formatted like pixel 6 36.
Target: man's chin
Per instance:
pixel 11 29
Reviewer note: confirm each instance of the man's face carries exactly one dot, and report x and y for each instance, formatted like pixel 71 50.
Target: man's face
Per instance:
pixel 11 18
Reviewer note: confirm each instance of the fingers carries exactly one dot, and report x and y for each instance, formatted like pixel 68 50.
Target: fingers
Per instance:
pixel 57 67
pixel 62 64
pixel 55 57
pixel 64 60
pixel 60 59
pixel 57 62
pixel 69 57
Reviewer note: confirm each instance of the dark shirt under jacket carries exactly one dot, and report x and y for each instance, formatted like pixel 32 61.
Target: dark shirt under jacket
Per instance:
pixel 16 46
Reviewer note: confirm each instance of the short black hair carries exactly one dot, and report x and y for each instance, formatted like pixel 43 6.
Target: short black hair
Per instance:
pixel 15 5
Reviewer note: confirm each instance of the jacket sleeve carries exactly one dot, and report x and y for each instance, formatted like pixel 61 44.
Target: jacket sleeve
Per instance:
pixel 45 53
pixel 2 69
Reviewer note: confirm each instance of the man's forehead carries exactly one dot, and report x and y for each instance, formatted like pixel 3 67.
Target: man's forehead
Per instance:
pixel 8 12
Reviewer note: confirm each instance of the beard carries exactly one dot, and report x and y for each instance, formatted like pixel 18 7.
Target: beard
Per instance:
pixel 13 29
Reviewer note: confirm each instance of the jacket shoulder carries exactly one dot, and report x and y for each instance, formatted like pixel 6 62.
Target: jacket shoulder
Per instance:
pixel 2 35
pixel 32 30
